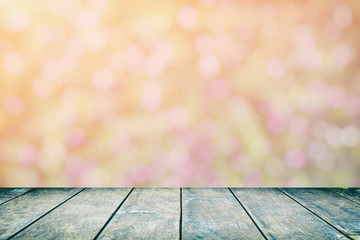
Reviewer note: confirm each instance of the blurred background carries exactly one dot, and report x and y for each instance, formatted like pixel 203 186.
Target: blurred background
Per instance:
pixel 179 93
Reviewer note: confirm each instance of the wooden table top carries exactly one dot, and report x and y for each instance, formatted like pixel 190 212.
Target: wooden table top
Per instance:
pixel 179 213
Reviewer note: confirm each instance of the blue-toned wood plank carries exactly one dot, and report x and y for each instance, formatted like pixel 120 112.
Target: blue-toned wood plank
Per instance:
pixel 336 210
pixel 349 193
pixel 214 213
pixel 22 211
pixel 7 194
pixel 279 217
pixel 148 213
pixel 81 217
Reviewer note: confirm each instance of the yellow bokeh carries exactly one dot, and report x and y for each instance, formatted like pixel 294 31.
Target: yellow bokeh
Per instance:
pixel 179 93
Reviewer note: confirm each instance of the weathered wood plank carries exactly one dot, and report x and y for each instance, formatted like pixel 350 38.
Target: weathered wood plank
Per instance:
pixel 148 213
pixel 18 213
pixel 7 194
pixel 81 217
pixel 337 210
pixel 214 213
pixel 279 217
pixel 350 193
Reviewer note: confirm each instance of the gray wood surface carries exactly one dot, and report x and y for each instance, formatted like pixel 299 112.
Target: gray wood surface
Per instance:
pixel 21 211
pixel 148 213
pixel 214 213
pixel 279 217
pixel 81 217
pixel 350 193
pixel 337 210
pixel 6 194
pixel 169 213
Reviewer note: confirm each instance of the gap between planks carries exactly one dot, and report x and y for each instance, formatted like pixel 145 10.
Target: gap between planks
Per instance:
pixel 112 215
pixel 253 220
pixel 343 196
pixel 37 219
pixel 180 221
pixel 317 215
pixel 18 196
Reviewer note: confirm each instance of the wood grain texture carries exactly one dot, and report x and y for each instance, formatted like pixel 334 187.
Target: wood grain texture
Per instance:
pixel 154 213
pixel 350 193
pixel 148 213
pixel 18 213
pixel 214 213
pixel 279 217
pixel 7 194
pixel 79 218
pixel 338 211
